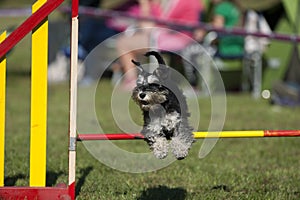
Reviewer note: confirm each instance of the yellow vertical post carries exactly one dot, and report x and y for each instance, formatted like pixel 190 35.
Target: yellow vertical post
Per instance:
pixel 38 120
pixel 2 111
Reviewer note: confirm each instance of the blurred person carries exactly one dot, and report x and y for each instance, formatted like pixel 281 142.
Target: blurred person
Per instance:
pixel 224 14
pixel 92 31
pixel 183 11
pixel 228 14
pixel 220 14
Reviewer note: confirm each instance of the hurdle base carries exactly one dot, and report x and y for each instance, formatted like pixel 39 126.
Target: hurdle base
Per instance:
pixel 33 193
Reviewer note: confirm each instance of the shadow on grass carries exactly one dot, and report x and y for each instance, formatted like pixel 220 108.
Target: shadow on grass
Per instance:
pixel 11 181
pixel 84 173
pixel 18 73
pixel 51 177
pixel 163 193
pixel 224 188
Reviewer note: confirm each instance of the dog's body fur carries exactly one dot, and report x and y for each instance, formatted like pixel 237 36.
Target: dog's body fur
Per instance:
pixel 165 111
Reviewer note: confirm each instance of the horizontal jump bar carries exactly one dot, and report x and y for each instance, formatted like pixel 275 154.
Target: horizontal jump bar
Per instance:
pixel 197 135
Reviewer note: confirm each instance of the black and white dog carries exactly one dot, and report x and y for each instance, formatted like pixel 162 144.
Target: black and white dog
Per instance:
pixel 165 111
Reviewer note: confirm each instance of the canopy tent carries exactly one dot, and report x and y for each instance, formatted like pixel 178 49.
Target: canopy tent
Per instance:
pixel 287 91
pixel 292 8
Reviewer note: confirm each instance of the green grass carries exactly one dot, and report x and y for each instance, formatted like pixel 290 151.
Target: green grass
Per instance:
pixel 265 168
pixel 235 169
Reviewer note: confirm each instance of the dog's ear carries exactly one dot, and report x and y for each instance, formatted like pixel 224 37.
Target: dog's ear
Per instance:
pixel 162 72
pixel 160 60
pixel 138 64
pixel 139 67
pixel 141 73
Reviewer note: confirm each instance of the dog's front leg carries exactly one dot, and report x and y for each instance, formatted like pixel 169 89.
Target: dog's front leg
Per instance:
pixel 182 140
pixel 157 142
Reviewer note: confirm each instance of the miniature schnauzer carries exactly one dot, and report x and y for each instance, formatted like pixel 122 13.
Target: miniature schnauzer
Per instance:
pixel 165 111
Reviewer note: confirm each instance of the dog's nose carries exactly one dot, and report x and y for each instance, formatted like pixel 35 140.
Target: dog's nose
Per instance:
pixel 142 95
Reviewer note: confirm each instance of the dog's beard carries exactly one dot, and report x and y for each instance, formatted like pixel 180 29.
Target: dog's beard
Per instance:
pixel 149 99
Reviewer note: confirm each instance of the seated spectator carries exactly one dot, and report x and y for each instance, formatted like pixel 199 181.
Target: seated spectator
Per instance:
pixel 92 31
pixel 227 14
pixel 184 11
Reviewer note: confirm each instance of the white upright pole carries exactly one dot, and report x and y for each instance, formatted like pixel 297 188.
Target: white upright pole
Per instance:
pixel 73 98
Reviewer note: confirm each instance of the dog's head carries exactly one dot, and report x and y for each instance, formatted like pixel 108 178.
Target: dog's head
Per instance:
pixel 150 89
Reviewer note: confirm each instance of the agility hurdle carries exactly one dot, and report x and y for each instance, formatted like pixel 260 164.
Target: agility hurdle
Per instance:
pixel 37 24
pixel 37 190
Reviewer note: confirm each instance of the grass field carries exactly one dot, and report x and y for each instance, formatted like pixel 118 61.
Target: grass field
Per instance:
pixel 265 168
pixel 235 169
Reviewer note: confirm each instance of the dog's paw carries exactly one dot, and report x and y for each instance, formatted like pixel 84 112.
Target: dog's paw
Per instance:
pixel 160 148
pixel 180 148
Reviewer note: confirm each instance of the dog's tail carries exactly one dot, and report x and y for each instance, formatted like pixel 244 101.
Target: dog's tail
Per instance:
pixel 157 56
